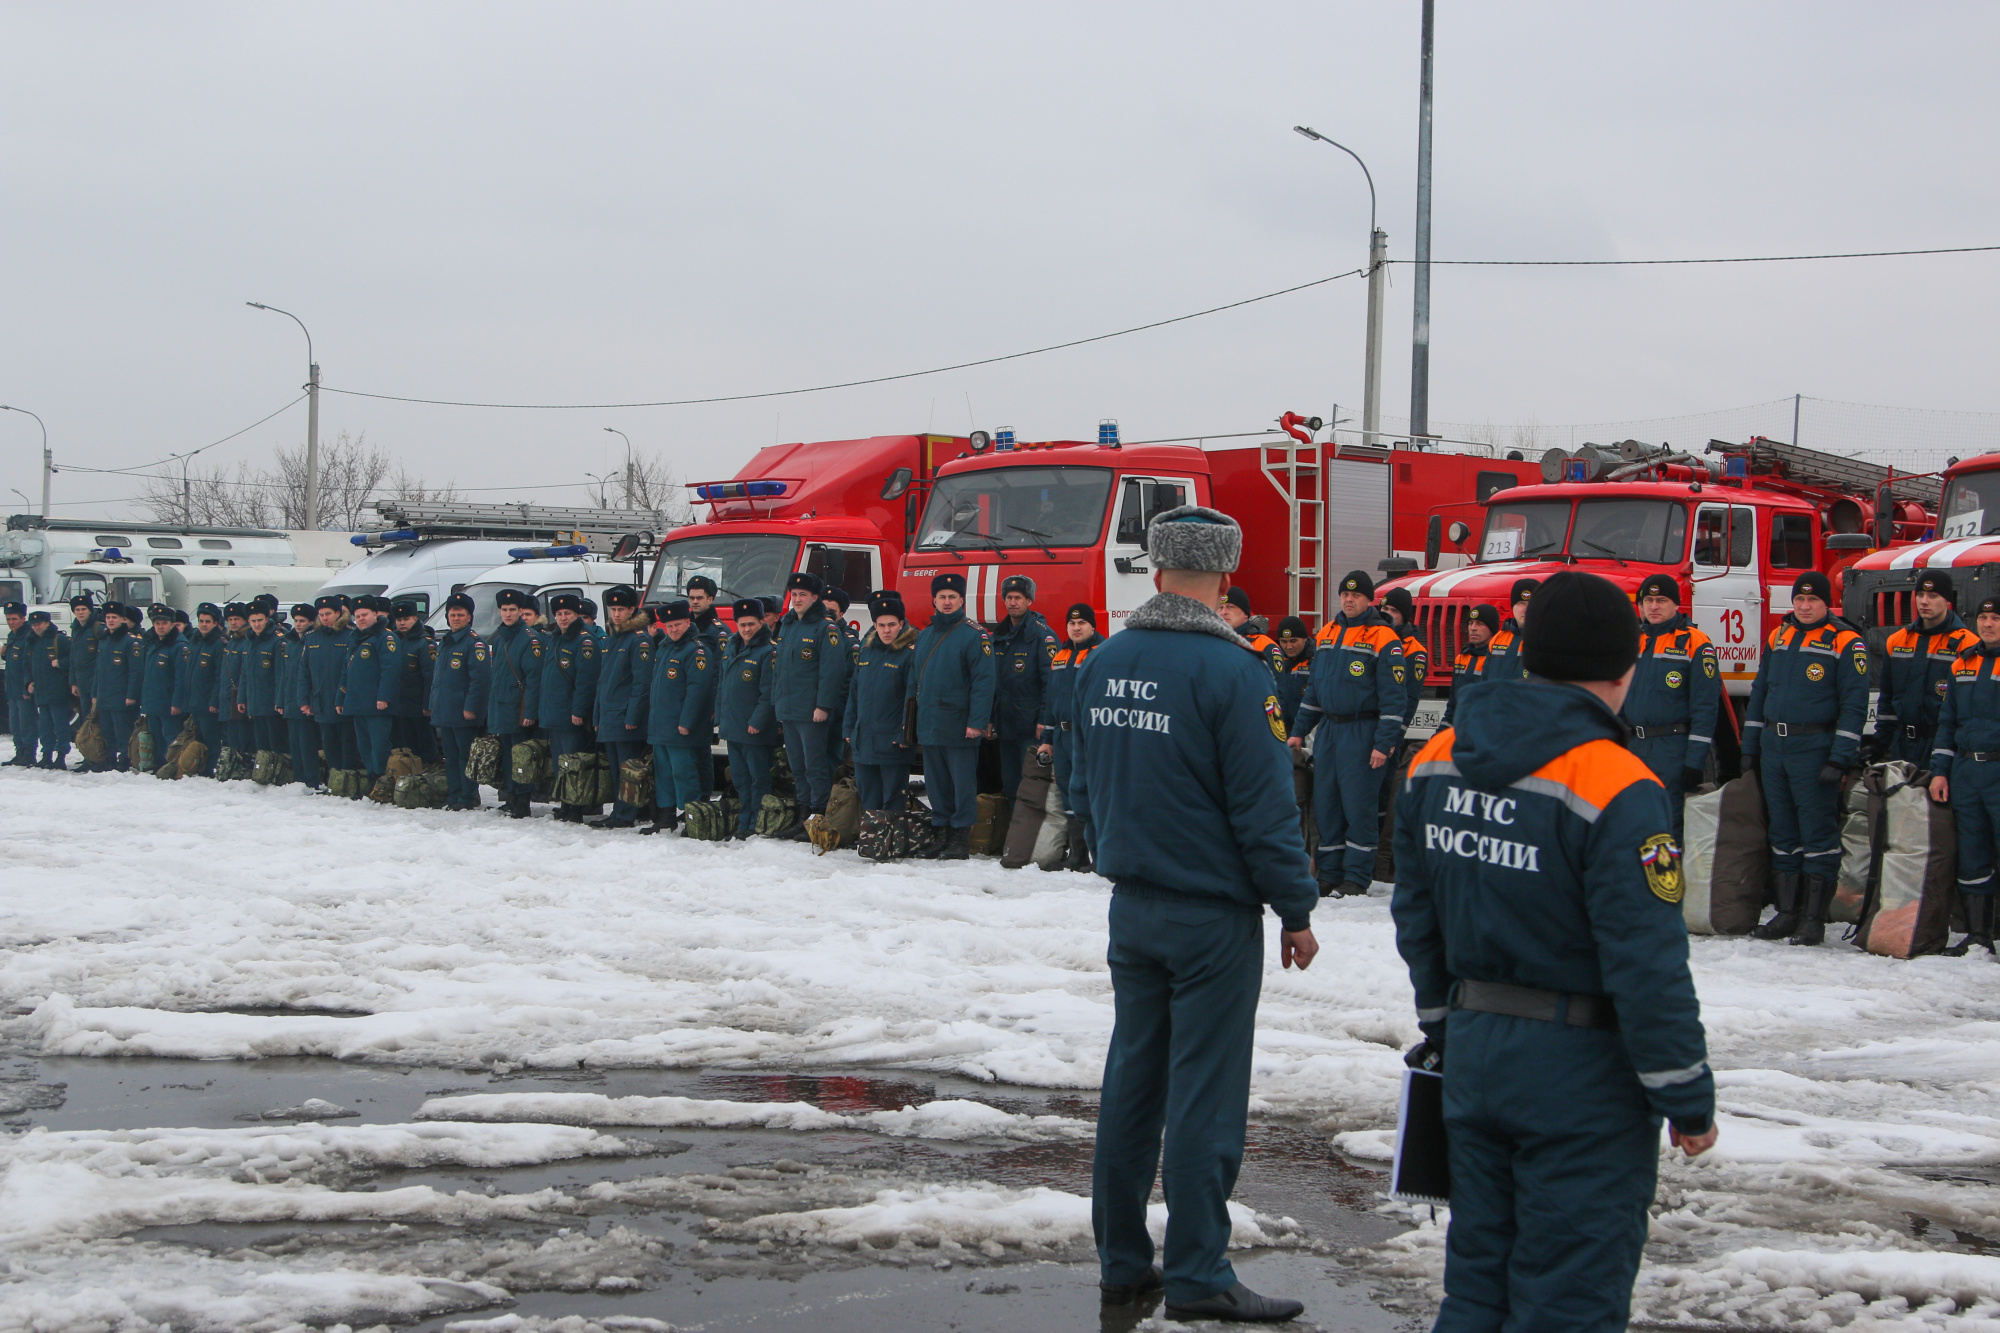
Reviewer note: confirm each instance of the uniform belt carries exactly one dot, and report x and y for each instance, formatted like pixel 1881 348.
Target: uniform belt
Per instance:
pixel 1660 729
pixel 1801 728
pixel 1338 718
pixel 1982 756
pixel 1062 726
pixel 1913 733
pixel 1497 997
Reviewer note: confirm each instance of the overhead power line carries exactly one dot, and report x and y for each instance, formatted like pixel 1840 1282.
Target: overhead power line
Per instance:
pixel 175 458
pixel 1737 259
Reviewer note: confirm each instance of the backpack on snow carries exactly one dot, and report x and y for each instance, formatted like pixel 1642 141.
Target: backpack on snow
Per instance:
pixel 576 778
pixel 530 762
pixel 777 814
pixel 143 758
pixel 840 824
pixel 174 765
pixel 424 790
pixel 709 821
pixel 635 781
pixel 482 760
pixel 264 769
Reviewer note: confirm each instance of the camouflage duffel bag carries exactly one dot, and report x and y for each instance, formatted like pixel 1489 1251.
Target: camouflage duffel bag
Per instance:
pixel 423 790
pixel 635 780
pixel 576 778
pixel 482 761
pixel 709 821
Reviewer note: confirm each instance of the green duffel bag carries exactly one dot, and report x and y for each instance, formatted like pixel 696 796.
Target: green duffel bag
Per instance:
pixel 382 791
pixel 530 762
pixel 358 783
pixel 144 760
pixel 635 780
pixel 284 776
pixel 576 778
pixel 607 782
pixel 778 814
pixel 231 765
pixel 782 782
pixel 264 772
pixel 482 761
pixel 421 791
pixel 709 821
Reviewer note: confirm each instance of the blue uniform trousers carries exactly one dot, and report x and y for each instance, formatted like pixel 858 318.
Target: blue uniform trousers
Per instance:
pixel 879 784
pixel 238 735
pixel 268 732
pixel 951 781
pixel 750 771
pixel 1804 812
pixel 21 721
pixel 1975 805
pixel 302 739
pixel 54 724
pixel 809 746
pixel 1554 1157
pixel 415 735
pixel 371 743
pixel 1665 757
pixel 619 751
pixel 117 728
pixel 1064 756
pixel 1910 750
pixel 677 777
pixel 164 729
pixel 566 739
pixel 1347 802
pixel 1013 758
pixel 456 743
pixel 209 727
pixel 1185 974
pixel 336 743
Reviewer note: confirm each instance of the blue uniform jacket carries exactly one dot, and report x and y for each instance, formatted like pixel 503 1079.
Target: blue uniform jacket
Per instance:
pixel 741 701
pixel 48 667
pixel 874 721
pixel 15 654
pixel 419 651
pixel 160 674
pixel 1467 670
pixel 952 680
pixel 624 685
pixel 1534 849
pixel 1059 704
pixel 1816 676
pixel 257 686
pixel 374 673
pixel 569 677
pixel 459 680
pixel 84 641
pixel 1357 668
pixel 684 676
pixel 1021 660
pixel 229 677
pixel 118 671
pixel 291 671
pixel 1677 681
pixel 1180 767
pixel 809 666
pixel 514 690
pixel 325 669
pixel 1503 652
pixel 1416 666
pixel 1917 663
pixel 1970 721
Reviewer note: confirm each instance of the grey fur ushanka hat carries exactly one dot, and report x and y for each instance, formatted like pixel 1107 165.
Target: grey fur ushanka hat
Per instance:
pixel 1195 537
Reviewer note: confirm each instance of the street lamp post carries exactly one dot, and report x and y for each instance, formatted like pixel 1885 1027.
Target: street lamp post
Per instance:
pixel 1378 268
pixel 628 462
pixel 48 465
pixel 312 416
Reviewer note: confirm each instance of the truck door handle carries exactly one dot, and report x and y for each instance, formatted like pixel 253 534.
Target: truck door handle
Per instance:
pixel 1124 565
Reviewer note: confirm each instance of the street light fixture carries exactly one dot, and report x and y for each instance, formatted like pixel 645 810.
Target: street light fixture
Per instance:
pixel 628 462
pixel 48 467
pixel 1378 265
pixel 312 416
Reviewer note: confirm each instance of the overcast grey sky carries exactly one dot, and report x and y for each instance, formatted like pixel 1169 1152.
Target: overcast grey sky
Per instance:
pixel 581 203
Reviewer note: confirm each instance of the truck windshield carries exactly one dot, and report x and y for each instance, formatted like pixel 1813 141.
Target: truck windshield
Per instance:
pixel 1016 507
pixel 1613 528
pixel 749 565
pixel 1971 506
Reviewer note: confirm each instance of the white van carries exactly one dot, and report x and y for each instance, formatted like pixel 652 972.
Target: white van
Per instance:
pixel 425 572
pixel 34 550
pixel 589 576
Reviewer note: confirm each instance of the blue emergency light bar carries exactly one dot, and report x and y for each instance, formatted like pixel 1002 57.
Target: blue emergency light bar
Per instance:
pixel 740 490
pixel 1738 466
pixel 1003 439
pixel 1577 469
pixel 377 538
pixel 545 552
pixel 1107 432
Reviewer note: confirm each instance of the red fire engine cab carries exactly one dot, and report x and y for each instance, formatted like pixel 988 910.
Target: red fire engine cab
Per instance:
pixel 1736 528
pixel 1880 587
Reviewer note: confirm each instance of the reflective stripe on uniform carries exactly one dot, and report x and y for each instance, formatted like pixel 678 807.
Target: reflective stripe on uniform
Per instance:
pixel 1667 1078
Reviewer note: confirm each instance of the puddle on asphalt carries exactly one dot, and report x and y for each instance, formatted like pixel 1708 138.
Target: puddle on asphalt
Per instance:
pixel 1288 1171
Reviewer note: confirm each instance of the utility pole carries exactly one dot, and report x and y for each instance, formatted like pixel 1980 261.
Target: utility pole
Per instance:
pixel 48 463
pixel 628 462
pixel 1420 324
pixel 1371 388
pixel 311 515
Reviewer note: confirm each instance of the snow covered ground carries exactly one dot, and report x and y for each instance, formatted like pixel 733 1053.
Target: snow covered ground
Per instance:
pixel 1856 1184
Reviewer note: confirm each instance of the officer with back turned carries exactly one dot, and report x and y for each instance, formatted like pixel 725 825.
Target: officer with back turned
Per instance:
pixel 1183 775
pixel 1537 903
pixel 1916 666
pixel 1676 693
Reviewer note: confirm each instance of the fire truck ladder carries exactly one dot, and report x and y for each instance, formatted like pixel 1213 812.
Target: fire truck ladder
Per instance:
pixel 508 522
pixel 1294 470
pixel 1814 467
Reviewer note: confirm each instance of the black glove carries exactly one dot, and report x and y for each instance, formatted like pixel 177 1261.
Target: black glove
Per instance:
pixel 1875 749
pixel 1832 775
pixel 1426 1054
pixel 1690 779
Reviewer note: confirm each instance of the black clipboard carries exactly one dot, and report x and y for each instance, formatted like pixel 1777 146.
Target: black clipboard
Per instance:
pixel 1422 1170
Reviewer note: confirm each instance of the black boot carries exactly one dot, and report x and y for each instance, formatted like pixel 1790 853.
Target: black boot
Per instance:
pixel 1978 925
pixel 1787 919
pixel 1240 1305
pixel 930 848
pixel 664 821
pixel 958 846
pixel 797 832
pixel 1076 856
pixel 1819 901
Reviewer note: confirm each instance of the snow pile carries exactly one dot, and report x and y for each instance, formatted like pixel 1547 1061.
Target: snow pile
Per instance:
pixel 514 1323
pixel 1860 1289
pixel 951 1119
pixel 312 1108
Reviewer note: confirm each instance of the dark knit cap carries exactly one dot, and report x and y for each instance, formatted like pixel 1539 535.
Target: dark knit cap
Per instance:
pixel 1237 598
pixel 750 608
pixel 1083 611
pixel 1584 629
pixel 1523 590
pixel 1989 607
pixel 1939 582
pixel 1661 585
pixel 1483 615
pixel 948 583
pixel 1293 627
pixel 1813 584
pixel 1405 604
pixel 1357 580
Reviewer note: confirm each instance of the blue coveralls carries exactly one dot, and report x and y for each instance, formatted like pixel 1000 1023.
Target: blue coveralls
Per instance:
pixel 1916 665
pixel 873 726
pixel 808 670
pixel 1532 852
pixel 740 704
pixel 1186 786
pixel 409 728
pixel 459 683
pixel 1059 715
pixel 569 689
pixel 49 673
pixel 159 685
pixel 325 669
pixel 117 683
pixel 1806 711
pixel 1416 666
pixel 1672 707
pixel 373 679
pixel 1358 691
pixel 257 689
pixel 624 689
pixel 952 679
pixel 301 736
pixel 1467 669
pixel 1968 753
pixel 684 676
pixel 1023 652
pixel 1503 652
pixel 514 697
pixel 21 719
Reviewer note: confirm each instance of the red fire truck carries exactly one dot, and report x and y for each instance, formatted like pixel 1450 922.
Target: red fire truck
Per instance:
pixel 1737 527
pixel 1880 586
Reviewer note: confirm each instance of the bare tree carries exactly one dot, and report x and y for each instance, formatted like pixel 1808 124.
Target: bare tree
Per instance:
pixel 351 474
pixel 645 483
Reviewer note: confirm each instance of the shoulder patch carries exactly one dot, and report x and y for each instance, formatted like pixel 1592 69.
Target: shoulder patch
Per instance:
pixel 1661 859
pixel 1275 716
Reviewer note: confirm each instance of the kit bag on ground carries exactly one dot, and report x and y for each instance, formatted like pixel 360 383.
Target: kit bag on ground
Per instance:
pixel 776 814
pixel 1908 912
pixel 264 770
pixel 989 826
pixel 403 762
pixel 143 759
pixel 1860 807
pixel 709 821
pixel 336 782
pixel 1726 863
pixel 1052 838
pixel 635 780
pixel 782 782
pixel 171 766
pixel 358 783
pixel 576 778
pixel 383 790
pixel 424 790
pixel 530 761
pixel 891 835
pixel 1031 808
pixel 90 740
pixel 232 765
pixel 482 761
pixel 843 810
pixel 607 781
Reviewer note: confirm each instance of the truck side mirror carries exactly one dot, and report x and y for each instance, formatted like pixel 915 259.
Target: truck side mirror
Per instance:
pixel 898 482
pixel 1433 540
pixel 1885 518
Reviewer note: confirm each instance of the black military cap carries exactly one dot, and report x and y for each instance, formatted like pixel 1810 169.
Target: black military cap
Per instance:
pixel 512 597
pixel 586 608
pixel 1240 599
pixel 1357 580
pixel 624 594
pixel 180 618
pixel 209 609
pixel 750 608
pixel 38 617
pixel 674 610
pixel 267 600
pixel 770 605
pixel 1404 603
pixel 459 601
pixel 1483 615
pixel 330 602
pixel 701 583
pixel 1661 585
pixel 802 581
pixel 302 609
pixel 236 610
pixel 1939 582
pixel 886 603
pixel 17 608
pixel 565 601
pixel 1524 589
pixel 839 597
pixel 401 609
pixel 85 598
pixel 948 582
pixel 1812 583
pixel 1020 583
pixel 160 611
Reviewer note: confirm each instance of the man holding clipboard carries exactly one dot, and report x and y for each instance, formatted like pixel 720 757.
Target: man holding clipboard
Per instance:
pixel 1538 907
